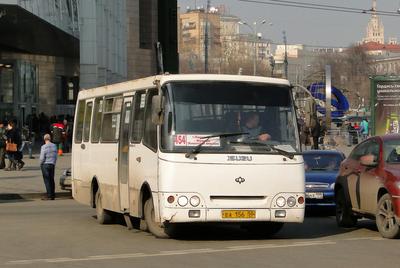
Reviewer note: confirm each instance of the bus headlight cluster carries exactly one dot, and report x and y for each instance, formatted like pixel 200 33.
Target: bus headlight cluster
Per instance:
pixel 282 201
pixel 184 200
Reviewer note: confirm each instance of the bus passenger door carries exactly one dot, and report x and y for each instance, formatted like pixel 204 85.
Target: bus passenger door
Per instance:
pixel 81 174
pixel 123 163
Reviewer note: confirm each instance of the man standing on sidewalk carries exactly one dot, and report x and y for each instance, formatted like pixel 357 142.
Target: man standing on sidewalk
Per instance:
pixel 48 158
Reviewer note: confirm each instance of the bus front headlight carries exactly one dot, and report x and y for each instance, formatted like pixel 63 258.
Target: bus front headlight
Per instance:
pixel 281 201
pixel 182 200
pixel 195 201
pixel 291 201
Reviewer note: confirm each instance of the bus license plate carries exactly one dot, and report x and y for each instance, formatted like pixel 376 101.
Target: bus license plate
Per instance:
pixel 238 214
pixel 315 195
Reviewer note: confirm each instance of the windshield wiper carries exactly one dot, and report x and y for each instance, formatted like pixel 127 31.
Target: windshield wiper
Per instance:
pixel 269 148
pixel 197 149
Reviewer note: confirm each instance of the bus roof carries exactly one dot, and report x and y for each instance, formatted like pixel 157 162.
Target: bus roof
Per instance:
pixel 148 82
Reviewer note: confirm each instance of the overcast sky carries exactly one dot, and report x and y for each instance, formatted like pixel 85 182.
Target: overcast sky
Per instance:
pixel 310 27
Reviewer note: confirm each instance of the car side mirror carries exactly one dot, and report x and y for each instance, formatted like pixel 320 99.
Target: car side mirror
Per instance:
pixel 157 112
pixel 368 160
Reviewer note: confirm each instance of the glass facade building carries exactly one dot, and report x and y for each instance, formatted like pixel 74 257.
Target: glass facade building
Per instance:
pixel 51 49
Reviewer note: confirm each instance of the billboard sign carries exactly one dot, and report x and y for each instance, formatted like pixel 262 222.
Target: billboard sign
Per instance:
pixel 385 101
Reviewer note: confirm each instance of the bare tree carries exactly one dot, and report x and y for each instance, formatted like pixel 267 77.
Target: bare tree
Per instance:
pixel 351 70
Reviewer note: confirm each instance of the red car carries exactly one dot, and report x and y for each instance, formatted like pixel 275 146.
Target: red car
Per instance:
pixel 368 185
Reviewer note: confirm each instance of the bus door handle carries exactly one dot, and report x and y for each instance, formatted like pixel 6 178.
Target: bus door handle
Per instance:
pixel 83 147
pixel 139 159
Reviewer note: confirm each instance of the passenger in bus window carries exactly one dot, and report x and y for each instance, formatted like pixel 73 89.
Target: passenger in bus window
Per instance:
pixel 252 126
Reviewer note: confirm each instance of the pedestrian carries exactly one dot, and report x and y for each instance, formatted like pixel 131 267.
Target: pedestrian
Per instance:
pixel 57 134
pixel 48 159
pixel 316 133
pixel 13 145
pixel 347 130
pixel 66 133
pixel 323 132
pixel 28 140
pixel 305 136
pixel 3 139
pixel 364 128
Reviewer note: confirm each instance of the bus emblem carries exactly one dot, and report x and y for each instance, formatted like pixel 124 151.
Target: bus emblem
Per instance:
pixel 240 180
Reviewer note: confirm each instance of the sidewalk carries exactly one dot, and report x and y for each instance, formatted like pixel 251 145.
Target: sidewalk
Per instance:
pixel 28 182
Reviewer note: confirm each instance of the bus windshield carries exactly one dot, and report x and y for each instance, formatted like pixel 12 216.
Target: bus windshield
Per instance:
pixel 258 112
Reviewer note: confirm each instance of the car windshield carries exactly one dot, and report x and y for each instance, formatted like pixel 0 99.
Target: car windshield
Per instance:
pixel 315 162
pixel 259 111
pixel 391 151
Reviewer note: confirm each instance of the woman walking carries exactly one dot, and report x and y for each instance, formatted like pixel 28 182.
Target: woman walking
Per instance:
pixel 13 144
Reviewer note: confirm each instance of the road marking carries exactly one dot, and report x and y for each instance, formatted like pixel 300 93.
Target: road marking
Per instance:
pixel 362 238
pixel 378 239
pixel 186 251
pixel 168 253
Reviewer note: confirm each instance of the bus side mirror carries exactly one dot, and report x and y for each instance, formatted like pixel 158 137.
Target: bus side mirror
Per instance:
pixel 157 112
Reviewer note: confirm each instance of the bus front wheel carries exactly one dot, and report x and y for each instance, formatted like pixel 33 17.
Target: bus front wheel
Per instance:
pixel 152 225
pixel 103 216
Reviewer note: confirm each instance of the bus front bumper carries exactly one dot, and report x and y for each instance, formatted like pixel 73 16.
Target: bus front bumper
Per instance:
pixel 173 215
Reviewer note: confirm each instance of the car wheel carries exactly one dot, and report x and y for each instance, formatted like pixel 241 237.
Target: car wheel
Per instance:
pixel 154 227
pixel 344 215
pixel 385 218
pixel 263 229
pixel 103 216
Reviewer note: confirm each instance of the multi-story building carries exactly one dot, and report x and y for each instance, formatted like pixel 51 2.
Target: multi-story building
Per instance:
pixel 50 49
pixel 39 56
pixel 375 30
pixel 229 50
pixel 195 25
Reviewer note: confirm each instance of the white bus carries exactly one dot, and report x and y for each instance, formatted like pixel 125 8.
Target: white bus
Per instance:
pixel 179 148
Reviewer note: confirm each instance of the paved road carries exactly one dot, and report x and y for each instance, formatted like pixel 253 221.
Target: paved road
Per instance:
pixel 63 233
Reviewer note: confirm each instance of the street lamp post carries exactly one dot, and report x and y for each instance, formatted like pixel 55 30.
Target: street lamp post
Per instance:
pixel 254 31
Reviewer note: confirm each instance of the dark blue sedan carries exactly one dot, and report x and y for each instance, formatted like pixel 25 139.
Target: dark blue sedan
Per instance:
pixel 321 168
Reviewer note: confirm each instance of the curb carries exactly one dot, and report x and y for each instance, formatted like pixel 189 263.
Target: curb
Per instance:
pixel 30 196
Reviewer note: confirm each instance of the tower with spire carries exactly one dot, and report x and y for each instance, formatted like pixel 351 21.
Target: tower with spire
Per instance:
pixel 375 29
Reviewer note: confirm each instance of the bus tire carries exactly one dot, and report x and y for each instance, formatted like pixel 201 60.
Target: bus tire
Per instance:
pixel 344 215
pixel 103 216
pixel 263 229
pixel 149 216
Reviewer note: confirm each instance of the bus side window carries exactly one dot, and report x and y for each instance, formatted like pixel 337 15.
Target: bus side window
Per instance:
pixel 138 117
pixel 111 119
pixel 79 121
pixel 150 129
pixel 86 123
pixel 96 124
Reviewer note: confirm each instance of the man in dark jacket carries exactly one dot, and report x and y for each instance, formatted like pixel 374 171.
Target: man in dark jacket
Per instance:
pixel 315 133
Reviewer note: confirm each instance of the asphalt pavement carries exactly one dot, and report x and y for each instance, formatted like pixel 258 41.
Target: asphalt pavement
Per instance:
pixel 63 233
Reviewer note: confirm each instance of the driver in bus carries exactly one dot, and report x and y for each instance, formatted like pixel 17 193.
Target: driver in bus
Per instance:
pixel 252 126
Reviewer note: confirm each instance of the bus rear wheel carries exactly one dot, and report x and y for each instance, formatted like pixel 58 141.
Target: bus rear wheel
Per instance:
pixel 103 216
pixel 154 227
